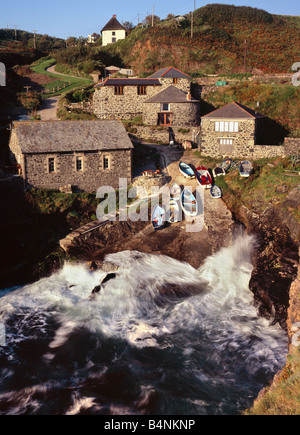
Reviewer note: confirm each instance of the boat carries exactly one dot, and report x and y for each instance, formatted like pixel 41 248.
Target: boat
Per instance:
pixel 188 203
pixel 158 217
pixel 217 171
pixel 175 191
pixel 186 170
pixel 225 164
pixel 203 177
pixel 245 168
pixel 215 191
pixel 172 211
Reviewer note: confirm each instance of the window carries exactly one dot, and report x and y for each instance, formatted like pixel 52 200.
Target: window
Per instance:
pixel 114 33
pixel 142 90
pixel 175 81
pixel 231 126
pixel 51 165
pixel 226 141
pixel 113 40
pixel 164 118
pixel 165 107
pixel 79 164
pixel 119 90
pixel 106 162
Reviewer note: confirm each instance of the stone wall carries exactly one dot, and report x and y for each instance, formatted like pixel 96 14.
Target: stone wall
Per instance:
pixel 15 153
pixel 161 134
pixel 292 145
pixel 92 176
pixel 181 83
pixel 107 105
pixel 182 114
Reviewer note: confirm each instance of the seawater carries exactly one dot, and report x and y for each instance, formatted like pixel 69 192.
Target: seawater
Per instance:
pixel 162 338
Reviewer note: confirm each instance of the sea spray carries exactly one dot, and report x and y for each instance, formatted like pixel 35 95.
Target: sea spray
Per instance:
pixel 159 338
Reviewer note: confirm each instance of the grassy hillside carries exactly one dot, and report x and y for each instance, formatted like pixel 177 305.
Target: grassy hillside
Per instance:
pixel 219 34
pixel 61 84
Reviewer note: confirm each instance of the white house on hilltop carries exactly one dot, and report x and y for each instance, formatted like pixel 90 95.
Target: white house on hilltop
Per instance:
pixel 112 32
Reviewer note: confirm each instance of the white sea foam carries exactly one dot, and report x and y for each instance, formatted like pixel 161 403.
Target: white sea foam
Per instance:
pixel 215 321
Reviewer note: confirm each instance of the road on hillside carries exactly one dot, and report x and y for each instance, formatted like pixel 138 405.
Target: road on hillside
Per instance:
pixel 48 110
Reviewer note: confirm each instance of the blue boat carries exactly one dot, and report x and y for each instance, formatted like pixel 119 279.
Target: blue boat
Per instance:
pixel 186 170
pixel 188 203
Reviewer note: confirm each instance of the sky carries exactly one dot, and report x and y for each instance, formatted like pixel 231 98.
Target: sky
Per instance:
pixel 64 18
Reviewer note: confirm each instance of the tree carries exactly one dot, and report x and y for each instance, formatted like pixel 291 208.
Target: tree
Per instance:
pixel 128 26
pixel 148 20
pixel 71 41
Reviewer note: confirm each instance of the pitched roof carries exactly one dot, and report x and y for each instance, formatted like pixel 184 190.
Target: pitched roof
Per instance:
pixel 171 95
pixel 113 24
pixel 128 82
pixel 234 110
pixel 170 72
pixel 70 136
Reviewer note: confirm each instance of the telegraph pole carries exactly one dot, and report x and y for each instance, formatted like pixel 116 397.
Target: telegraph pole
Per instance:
pixel 34 40
pixel 245 56
pixel 16 32
pixel 153 16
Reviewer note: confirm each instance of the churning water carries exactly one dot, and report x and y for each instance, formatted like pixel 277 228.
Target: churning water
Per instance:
pixel 161 338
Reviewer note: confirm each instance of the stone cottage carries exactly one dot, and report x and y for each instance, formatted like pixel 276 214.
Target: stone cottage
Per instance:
pixel 171 106
pixel 112 32
pixel 161 99
pixel 231 130
pixel 83 154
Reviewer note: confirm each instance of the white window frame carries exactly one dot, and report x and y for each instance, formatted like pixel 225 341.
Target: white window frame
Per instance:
pixel 162 107
pixel 227 126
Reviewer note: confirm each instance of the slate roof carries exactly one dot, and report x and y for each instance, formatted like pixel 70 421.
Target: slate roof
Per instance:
pixel 171 95
pixel 170 72
pixel 234 111
pixel 71 136
pixel 128 82
pixel 113 24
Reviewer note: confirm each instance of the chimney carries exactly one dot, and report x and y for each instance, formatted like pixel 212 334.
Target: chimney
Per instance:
pixel 114 16
pixel 189 96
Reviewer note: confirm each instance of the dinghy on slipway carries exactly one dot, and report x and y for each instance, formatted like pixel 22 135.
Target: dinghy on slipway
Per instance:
pixel 203 177
pixel 225 164
pixel 217 171
pixel 158 217
pixel 172 211
pixel 245 168
pixel 188 203
pixel 175 191
pixel 215 191
pixel 186 170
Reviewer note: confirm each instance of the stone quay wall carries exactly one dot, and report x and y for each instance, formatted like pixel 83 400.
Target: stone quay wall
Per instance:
pixel 161 134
